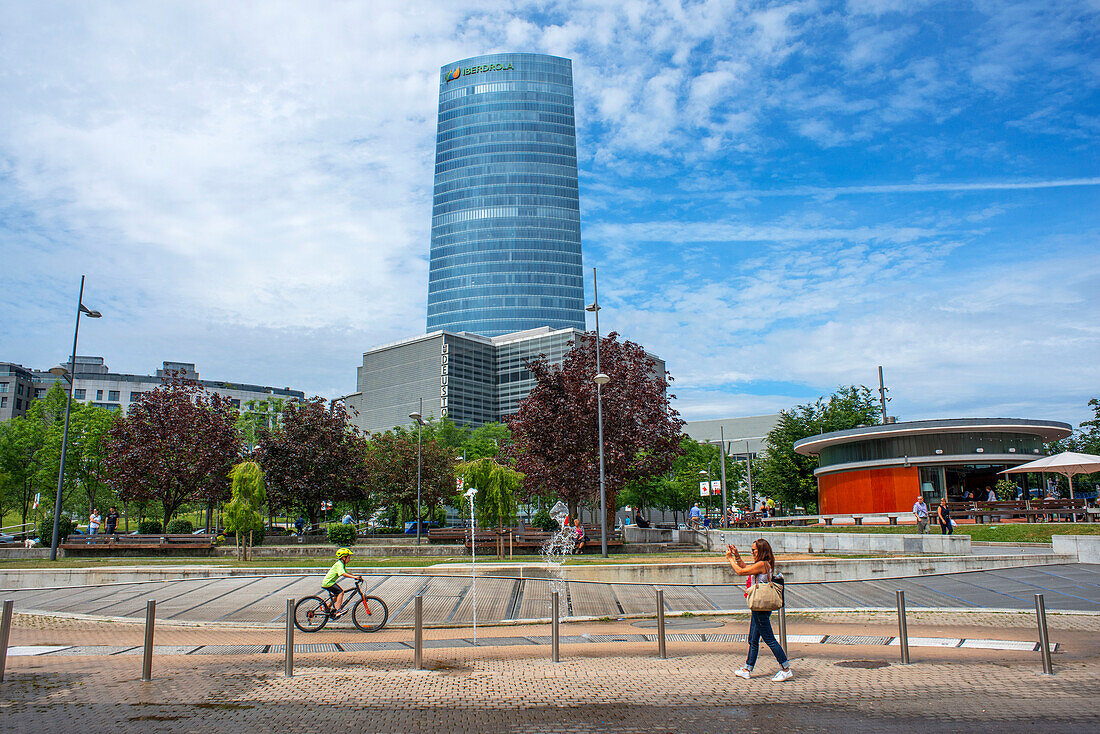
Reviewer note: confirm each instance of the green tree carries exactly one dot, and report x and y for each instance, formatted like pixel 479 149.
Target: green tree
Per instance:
pixel 678 488
pixel 391 461
pixel 1086 439
pixel 497 486
pixel 788 477
pixel 21 439
pixel 85 454
pixel 244 511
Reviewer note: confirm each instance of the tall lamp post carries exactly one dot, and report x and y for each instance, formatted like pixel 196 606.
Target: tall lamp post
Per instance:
pixel 418 416
pixel 600 379
pixel 69 375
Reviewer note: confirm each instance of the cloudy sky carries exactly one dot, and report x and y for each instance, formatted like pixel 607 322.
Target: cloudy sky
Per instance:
pixel 778 196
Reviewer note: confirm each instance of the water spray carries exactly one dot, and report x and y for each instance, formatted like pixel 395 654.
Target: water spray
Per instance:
pixel 473 556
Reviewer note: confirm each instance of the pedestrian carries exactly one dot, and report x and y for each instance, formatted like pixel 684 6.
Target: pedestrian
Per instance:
pixel 300 524
pixel 695 516
pixel 93 522
pixel 760 571
pixel 943 515
pixel 112 520
pixel 579 538
pixel 921 511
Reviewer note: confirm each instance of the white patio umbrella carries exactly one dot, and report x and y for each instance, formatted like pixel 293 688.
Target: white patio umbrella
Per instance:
pixel 1068 463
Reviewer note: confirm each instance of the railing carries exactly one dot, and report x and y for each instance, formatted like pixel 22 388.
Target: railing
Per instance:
pixel 30 529
pixel 1044 645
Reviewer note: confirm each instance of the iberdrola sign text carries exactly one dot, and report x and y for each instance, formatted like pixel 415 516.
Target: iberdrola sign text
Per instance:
pixel 458 71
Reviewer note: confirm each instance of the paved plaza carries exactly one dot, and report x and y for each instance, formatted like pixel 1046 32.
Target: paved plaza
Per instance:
pixel 600 685
pixel 447 599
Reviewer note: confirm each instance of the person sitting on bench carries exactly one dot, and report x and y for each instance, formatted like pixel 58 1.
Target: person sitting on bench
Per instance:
pixel 581 539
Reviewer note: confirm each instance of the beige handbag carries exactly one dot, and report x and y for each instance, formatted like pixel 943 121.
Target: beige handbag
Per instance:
pixel 765 597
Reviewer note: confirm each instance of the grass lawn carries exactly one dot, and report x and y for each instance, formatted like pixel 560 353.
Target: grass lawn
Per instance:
pixel 1011 532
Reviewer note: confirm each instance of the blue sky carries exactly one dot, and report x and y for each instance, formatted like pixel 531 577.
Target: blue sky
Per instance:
pixel 778 196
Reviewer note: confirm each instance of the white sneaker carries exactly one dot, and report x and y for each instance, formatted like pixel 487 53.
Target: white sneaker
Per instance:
pixel 744 673
pixel 783 675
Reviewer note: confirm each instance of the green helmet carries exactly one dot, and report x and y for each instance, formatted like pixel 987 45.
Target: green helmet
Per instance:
pixel 343 553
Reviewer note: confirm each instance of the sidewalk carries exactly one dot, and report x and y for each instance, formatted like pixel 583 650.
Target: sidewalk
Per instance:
pixel 598 686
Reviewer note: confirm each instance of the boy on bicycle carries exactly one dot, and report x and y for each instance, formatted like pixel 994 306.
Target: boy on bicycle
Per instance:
pixel 330 583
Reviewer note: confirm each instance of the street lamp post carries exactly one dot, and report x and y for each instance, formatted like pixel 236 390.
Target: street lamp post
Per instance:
pixel 600 379
pixel 70 376
pixel 418 416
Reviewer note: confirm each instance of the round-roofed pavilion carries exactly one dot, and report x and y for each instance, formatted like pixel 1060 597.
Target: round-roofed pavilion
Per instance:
pixel 883 468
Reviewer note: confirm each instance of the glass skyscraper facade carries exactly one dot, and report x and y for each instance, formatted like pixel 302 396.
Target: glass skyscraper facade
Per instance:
pixel 506 238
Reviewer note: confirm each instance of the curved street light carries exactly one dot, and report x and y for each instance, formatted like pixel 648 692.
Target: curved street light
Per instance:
pixel 71 377
pixel 600 379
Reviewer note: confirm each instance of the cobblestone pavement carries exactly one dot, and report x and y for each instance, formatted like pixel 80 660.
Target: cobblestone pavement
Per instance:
pixel 597 686
pixel 255 600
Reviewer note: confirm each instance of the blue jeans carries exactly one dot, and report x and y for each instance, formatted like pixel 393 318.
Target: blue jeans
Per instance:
pixel 761 628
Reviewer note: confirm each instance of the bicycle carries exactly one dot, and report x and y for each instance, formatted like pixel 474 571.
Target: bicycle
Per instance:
pixel 369 613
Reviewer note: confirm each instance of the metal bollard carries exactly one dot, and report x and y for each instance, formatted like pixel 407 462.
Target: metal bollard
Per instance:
pixel 783 627
pixel 1044 636
pixel 147 655
pixel 661 651
pixel 555 644
pixel 288 652
pixel 903 629
pixel 418 632
pixel 5 634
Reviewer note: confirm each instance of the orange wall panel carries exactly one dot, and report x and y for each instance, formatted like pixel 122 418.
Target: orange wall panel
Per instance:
pixel 892 489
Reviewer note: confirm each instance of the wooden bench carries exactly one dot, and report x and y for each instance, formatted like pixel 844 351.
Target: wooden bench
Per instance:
pixel 789 520
pixel 749 520
pixel 859 517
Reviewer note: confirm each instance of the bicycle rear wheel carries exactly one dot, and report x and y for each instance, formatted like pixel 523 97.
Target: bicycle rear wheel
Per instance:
pixel 370 614
pixel 310 614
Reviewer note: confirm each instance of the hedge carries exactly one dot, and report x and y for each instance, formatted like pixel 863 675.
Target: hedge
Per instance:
pixel 65 526
pixel 149 527
pixel 181 527
pixel 341 534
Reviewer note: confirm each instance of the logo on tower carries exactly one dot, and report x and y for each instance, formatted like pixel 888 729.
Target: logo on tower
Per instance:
pixel 454 74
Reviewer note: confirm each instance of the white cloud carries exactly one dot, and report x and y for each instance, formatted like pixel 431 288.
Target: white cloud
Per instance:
pixel 249 184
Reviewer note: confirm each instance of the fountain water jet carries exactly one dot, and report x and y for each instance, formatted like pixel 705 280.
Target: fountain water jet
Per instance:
pixel 473 557
pixel 557 547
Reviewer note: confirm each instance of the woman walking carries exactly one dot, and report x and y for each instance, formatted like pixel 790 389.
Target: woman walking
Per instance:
pixel 943 514
pixel 759 572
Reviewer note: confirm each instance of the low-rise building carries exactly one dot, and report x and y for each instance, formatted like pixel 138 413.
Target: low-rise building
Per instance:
pixel 94 383
pixel 883 468
pixel 16 390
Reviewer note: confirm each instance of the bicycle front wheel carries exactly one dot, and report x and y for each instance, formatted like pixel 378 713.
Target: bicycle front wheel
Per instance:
pixel 370 614
pixel 310 614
